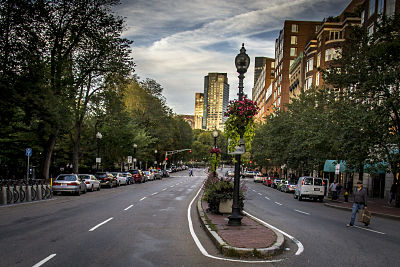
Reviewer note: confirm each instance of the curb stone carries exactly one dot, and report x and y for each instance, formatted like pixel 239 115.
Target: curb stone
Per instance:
pixel 377 214
pixel 228 250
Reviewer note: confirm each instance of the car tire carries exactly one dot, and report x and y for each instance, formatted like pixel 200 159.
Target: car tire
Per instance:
pixel 300 198
pixel 79 192
pixel 92 188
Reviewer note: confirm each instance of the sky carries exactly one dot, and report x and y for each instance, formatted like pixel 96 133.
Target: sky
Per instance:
pixel 178 42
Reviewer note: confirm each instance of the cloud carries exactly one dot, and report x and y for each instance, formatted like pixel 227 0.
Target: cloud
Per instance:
pixel 178 42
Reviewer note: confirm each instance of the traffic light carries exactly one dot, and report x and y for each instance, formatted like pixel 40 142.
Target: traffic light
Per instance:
pixel 166 159
pixel 190 151
pixel 251 162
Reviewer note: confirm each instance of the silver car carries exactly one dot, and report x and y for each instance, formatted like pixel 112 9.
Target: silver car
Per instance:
pixel 91 181
pixel 69 183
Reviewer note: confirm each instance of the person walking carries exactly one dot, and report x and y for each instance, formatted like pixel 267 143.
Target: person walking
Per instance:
pixel 393 190
pixel 360 202
pixel 332 188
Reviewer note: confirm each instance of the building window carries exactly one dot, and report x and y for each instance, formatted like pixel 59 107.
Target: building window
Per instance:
pixel 380 6
pixel 293 40
pixel 332 53
pixel 295 28
pixel 293 51
pixel 334 35
pixel 390 7
pixel 319 60
pixel 310 64
pixel 362 17
pixel 317 79
pixel 371 8
pixel 291 62
pixel 371 30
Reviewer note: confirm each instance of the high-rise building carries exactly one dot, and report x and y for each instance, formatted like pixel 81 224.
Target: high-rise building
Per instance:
pixel 291 41
pixel 216 100
pixel 262 87
pixel 259 63
pixel 198 110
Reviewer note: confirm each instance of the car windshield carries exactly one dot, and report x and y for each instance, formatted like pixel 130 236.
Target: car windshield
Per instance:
pixel 84 176
pixel 66 178
pixel 134 171
pixel 318 182
pixel 101 175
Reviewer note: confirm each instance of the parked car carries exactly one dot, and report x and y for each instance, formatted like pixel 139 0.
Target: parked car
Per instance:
pixel 121 179
pixel 157 174
pixel 288 187
pixel 258 179
pixel 129 178
pixel 275 183
pixel 267 181
pixel 282 185
pixel 69 183
pixel 165 173
pixel 106 179
pixel 138 176
pixel 149 175
pixel 91 181
pixel 310 187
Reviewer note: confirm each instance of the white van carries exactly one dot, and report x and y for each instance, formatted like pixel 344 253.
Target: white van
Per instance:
pixel 310 187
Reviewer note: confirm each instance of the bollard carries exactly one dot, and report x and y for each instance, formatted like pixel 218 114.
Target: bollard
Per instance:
pixel 39 192
pixel 3 197
pixel 10 190
pixel 28 191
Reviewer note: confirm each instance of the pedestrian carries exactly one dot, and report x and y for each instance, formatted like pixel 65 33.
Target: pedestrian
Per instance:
pixel 360 202
pixel 393 190
pixel 338 190
pixel 332 188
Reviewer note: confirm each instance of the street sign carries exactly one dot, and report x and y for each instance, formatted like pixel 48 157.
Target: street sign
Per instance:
pixel 134 160
pixel 337 169
pixel 240 149
pixel 98 160
pixel 29 152
pixel 129 159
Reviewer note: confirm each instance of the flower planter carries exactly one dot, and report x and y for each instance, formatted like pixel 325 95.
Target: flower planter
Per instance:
pixel 225 206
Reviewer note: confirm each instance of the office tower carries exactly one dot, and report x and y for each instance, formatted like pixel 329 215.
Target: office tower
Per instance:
pixel 198 110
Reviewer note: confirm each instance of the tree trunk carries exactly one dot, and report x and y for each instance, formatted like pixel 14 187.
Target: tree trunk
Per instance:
pixel 48 151
pixel 76 143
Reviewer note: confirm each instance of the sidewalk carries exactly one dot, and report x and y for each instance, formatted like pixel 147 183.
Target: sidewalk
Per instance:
pixel 251 239
pixel 378 207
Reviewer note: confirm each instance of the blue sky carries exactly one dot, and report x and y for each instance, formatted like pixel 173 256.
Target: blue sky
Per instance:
pixel 178 42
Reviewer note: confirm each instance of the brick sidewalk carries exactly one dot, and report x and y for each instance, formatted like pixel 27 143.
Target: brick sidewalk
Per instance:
pixel 375 205
pixel 249 235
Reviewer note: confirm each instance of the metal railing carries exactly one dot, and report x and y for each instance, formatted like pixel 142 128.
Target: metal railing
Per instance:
pixel 18 191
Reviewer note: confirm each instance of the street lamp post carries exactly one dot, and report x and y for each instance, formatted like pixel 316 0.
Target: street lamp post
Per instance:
pixel 155 156
pixel 242 62
pixel 98 159
pixel 134 155
pixel 215 135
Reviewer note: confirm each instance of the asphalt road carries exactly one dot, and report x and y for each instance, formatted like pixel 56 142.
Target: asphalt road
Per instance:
pixel 147 225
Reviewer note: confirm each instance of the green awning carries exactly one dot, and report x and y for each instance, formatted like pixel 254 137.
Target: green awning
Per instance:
pixel 378 168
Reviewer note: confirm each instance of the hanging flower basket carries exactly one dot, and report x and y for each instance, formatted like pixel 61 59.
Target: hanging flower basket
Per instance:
pixel 240 122
pixel 215 158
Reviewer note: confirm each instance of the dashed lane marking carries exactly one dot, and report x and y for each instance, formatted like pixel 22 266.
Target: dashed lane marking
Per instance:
pixel 40 263
pixel 172 186
pixel 278 203
pixel 260 194
pixel 100 224
pixel 143 198
pixel 302 212
pixel 267 198
pixel 129 207
pixel 366 229
pixel 164 189
pixel 154 193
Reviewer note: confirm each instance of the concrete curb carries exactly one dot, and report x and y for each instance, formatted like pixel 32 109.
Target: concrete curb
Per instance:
pixel 228 250
pixel 377 214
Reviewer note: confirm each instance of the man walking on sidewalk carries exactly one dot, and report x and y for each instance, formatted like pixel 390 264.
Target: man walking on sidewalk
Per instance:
pixel 360 202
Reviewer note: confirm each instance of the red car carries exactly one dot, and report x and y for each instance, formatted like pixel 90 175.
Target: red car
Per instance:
pixel 267 181
pixel 138 176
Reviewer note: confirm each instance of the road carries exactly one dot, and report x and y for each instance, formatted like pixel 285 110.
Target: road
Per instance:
pixel 147 225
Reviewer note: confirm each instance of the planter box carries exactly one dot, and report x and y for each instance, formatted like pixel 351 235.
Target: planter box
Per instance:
pixel 225 206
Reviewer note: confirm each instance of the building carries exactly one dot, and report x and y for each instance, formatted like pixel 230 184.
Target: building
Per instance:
pixel 288 46
pixel 216 100
pixel 198 110
pixel 189 119
pixel 264 81
pixel 296 77
pixel 259 63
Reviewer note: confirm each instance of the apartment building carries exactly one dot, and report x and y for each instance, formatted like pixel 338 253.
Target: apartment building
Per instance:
pixel 288 46
pixel 216 100
pixel 198 110
pixel 263 82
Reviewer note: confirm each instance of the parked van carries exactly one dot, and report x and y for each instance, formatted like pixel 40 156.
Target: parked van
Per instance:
pixel 310 187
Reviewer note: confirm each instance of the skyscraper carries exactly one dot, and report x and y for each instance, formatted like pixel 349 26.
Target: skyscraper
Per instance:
pixel 216 99
pixel 198 110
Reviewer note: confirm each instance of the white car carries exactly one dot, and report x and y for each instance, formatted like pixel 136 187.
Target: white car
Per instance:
pixel 310 187
pixel 121 178
pixel 258 178
pixel 91 181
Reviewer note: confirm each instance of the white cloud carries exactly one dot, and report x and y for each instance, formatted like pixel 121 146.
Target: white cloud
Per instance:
pixel 177 43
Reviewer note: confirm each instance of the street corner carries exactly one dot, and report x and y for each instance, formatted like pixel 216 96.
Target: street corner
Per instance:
pixel 252 239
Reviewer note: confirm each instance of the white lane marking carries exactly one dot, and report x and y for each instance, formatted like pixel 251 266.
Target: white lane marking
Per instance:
pixel 177 184
pixel 164 189
pixel 297 242
pixel 302 212
pixel 143 198
pixel 100 224
pixel 40 263
pixel 129 207
pixel 260 194
pixel 172 185
pixel 268 198
pixel 254 190
pixel 154 193
pixel 278 203
pixel 366 229
pixel 204 251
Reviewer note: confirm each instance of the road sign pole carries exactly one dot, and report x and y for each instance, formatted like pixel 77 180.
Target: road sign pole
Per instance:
pixel 27 172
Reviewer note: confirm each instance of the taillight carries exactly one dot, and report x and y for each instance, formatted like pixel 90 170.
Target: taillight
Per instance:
pixel 302 182
pixel 106 179
pixel 73 183
pixel 56 183
pixel 87 182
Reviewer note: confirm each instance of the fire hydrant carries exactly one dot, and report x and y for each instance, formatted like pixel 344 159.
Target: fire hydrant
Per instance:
pixel 346 196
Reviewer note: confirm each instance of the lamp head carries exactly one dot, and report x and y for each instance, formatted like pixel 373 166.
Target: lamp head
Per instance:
pixel 242 61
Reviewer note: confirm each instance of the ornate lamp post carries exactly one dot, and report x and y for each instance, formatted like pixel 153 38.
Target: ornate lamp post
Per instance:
pixel 98 159
pixel 134 155
pixel 155 156
pixel 242 62
pixel 215 135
